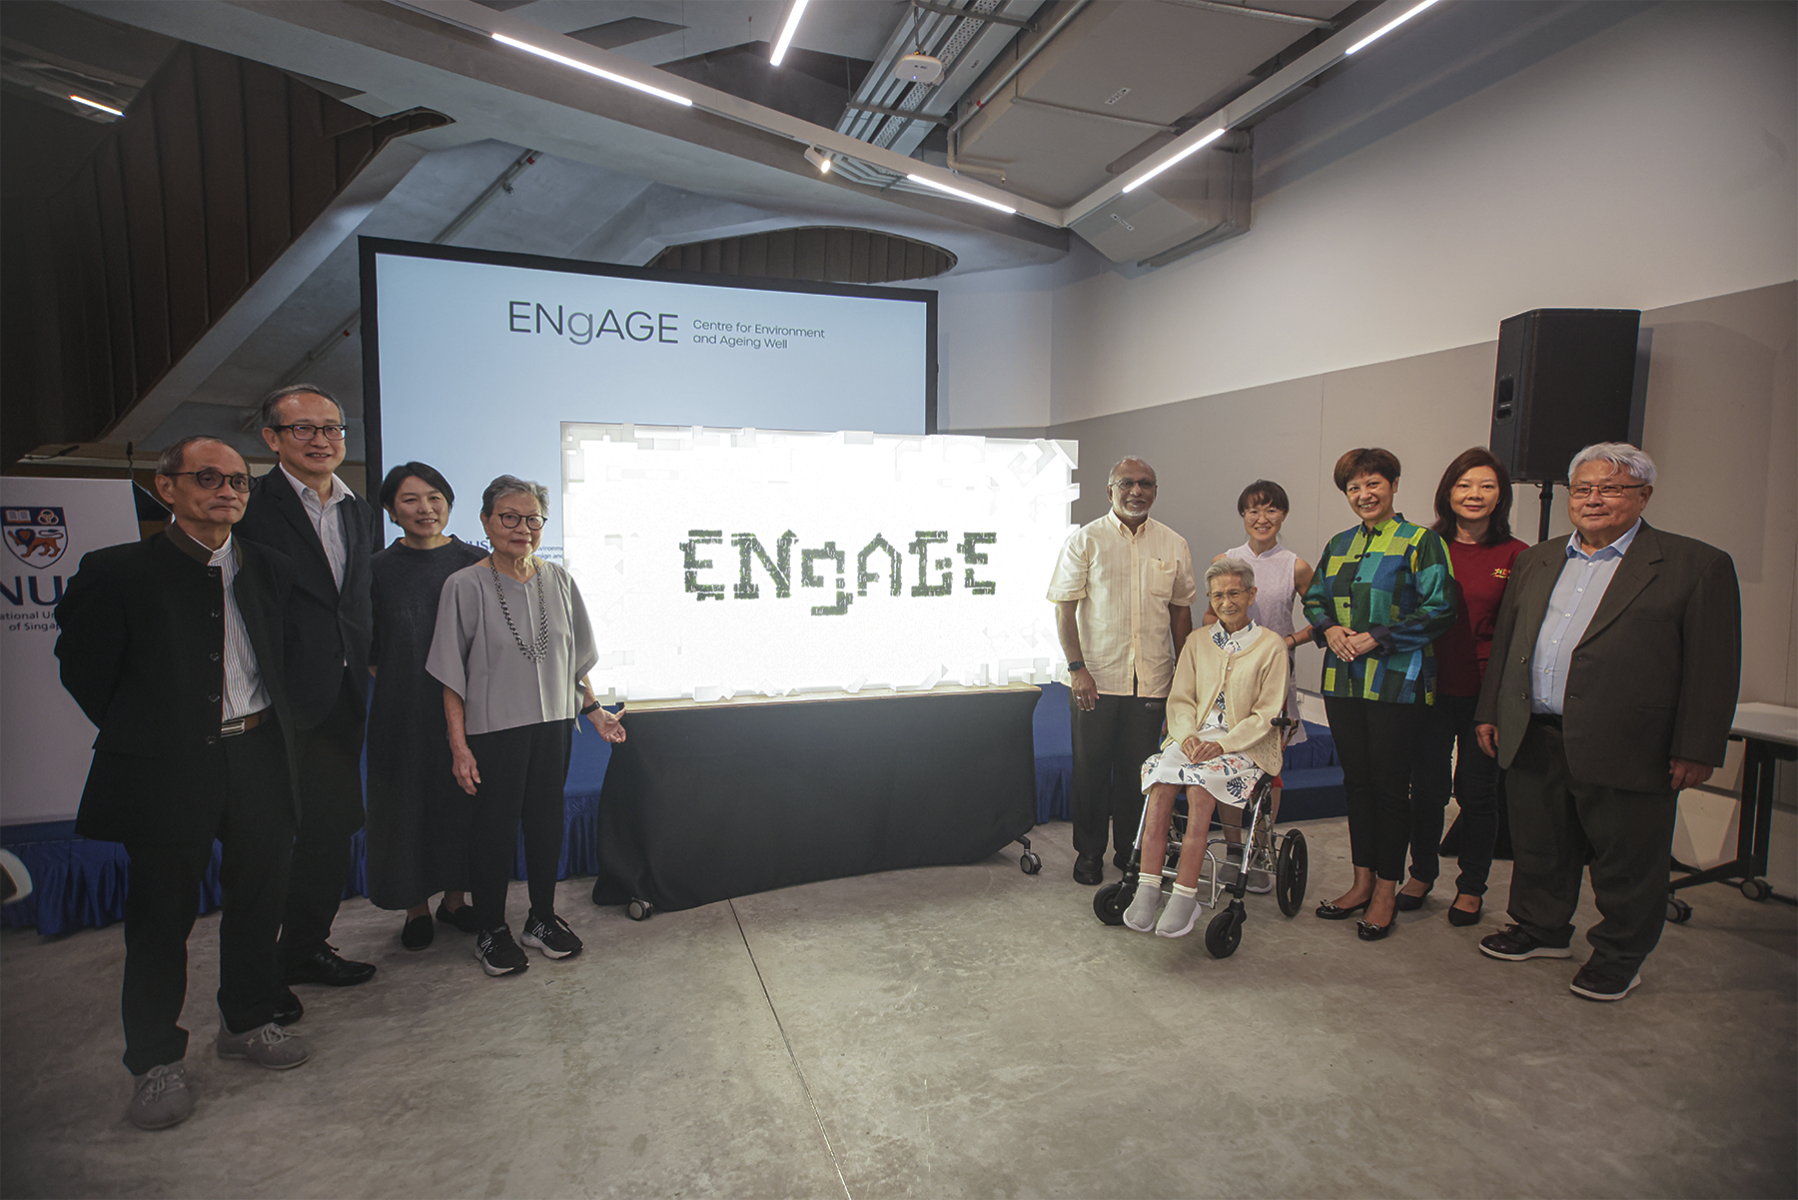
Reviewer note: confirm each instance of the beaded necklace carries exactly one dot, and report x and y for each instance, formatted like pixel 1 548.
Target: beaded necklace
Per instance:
pixel 532 653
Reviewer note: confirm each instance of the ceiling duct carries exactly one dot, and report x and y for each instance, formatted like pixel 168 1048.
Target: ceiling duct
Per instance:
pixel 1204 200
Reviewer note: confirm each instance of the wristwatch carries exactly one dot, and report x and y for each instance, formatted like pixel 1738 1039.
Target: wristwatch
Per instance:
pixel 589 708
pixel 1079 665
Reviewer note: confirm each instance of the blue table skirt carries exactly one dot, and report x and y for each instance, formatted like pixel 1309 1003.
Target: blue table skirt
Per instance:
pixel 80 884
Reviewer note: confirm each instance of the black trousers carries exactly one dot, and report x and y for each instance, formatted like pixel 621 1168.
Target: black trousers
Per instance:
pixel 1558 823
pixel 1473 778
pixel 1110 744
pixel 523 772
pixel 1377 743
pixel 330 777
pixel 163 898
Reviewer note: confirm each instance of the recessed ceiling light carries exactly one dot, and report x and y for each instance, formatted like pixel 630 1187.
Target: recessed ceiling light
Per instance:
pixel 1388 27
pixel 593 70
pixel 1180 157
pixel 787 31
pixel 957 192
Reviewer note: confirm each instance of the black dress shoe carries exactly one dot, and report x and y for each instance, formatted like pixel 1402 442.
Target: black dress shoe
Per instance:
pixel 1089 869
pixel 288 1008
pixel 1367 931
pixel 325 966
pixel 1121 860
pixel 458 918
pixel 1460 916
pixel 416 933
pixel 1329 912
pixel 1410 903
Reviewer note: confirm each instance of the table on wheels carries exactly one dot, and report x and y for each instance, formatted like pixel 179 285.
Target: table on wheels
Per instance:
pixel 1769 733
pixel 707 801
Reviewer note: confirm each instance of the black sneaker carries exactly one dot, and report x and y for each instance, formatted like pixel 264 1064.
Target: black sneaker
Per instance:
pixel 553 936
pixel 498 954
pixel 1604 983
pixel 1516 944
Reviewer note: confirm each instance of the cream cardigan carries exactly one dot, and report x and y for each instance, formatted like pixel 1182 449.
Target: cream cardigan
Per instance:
pixel 1254 687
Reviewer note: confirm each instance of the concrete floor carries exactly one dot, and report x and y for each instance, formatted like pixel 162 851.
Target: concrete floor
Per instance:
pixel 963 1031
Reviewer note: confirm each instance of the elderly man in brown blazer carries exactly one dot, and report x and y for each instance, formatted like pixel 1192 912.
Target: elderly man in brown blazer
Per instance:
pixel 1612 685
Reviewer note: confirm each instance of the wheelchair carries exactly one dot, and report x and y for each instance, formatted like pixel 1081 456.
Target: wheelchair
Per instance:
pixel 1282 855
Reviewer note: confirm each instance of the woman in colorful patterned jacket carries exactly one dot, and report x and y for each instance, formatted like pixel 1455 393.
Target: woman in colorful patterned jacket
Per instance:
pixel 1381 594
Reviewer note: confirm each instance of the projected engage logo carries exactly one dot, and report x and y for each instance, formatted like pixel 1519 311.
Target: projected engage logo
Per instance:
pixel 724 562
pixel 877 557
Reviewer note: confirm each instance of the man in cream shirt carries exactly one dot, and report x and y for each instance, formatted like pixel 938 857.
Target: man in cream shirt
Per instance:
pixel 1123 593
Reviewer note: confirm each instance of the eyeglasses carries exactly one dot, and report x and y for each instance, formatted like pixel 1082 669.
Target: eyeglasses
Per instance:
pixel 511 520
pixel 305 431
pixel 1610 491
pixel 1231 596
pixel 1124 485
pixel 1264 511
pixel 210 479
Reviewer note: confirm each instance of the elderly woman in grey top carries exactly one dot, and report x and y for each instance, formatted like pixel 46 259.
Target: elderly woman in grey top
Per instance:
pixel 512 650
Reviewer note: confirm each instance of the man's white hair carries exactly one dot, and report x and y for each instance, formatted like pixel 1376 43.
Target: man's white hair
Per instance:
pixel 1622 455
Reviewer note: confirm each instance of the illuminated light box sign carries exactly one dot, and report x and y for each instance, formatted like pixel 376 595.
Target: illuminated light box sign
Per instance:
pixel 719 563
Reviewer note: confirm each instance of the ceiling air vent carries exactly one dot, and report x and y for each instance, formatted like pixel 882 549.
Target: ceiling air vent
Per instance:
pixel 822 253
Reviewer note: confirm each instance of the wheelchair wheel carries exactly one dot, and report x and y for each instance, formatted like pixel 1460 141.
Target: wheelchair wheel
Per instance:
pixel 639 910
pixel 1110 901
pixel 1292 873
pixel 1029 862
pixel 1678 911
pixel 1224 933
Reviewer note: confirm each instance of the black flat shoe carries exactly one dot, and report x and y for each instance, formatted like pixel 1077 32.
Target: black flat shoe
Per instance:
pixel 1367 931
pixel 1410 903
pixel 458 918
pixel 416 934
pixel 288 1008
pixel 1460 916
pixel 1329 912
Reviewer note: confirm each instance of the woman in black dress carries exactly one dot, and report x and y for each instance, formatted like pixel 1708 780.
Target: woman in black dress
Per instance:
pixel 417 816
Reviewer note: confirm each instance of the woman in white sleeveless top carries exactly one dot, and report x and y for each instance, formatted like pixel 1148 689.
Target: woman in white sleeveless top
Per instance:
pixel 1281 578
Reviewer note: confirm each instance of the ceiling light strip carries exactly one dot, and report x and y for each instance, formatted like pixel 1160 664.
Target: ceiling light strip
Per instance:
pixel 787 32
pixel 1388 27
pixel 1178 158
pixel 96 104
pixel 592 70
pixel 957 192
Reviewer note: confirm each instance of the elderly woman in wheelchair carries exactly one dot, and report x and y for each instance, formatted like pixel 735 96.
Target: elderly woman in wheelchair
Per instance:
pixel 1221 744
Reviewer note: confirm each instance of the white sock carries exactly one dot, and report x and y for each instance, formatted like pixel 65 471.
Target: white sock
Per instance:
pixel 1177 917
pixel 1140 916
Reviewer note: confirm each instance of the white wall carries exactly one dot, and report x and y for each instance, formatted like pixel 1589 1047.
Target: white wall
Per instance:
pixel 1648 164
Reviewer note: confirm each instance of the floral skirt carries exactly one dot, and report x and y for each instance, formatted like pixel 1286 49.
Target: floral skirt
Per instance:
pixel 1228 777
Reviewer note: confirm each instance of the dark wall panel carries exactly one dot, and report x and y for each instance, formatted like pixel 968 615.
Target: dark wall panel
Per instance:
pixel 217 167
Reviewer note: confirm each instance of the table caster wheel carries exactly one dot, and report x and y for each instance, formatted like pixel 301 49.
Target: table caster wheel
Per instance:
pixel 639 910
pixel 1678 911
pixel 1756 889
pixel 1030 863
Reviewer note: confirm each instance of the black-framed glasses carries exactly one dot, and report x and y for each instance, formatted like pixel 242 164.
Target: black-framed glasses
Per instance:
pixel 511 520
pixel 1124 485
pixel 1610 491
pixel 211 479
pixel 305 431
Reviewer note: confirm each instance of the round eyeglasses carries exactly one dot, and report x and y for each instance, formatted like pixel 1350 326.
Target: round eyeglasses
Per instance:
pixel 511 520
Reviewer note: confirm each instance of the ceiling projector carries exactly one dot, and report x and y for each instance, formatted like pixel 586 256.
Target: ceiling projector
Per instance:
pixel 918 67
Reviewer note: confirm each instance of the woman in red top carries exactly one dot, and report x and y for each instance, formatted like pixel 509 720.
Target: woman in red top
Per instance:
pixel 1473 509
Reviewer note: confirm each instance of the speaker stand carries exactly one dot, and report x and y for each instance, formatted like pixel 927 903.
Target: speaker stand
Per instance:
pixel 1548 496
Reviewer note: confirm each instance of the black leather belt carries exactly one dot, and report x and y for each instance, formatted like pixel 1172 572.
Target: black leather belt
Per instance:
pixel 1553 720
pixel 244 724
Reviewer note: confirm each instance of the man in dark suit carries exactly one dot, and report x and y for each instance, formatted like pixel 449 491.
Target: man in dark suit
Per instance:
pixel 303 510
pixel 1612 686
pixel 174 649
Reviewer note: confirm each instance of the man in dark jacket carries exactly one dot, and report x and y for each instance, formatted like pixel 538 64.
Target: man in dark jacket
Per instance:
pixel 303 510
pixel 1612 686
pixel 174 648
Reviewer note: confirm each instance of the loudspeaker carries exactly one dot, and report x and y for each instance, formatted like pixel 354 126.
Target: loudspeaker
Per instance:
pixel 1565 377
